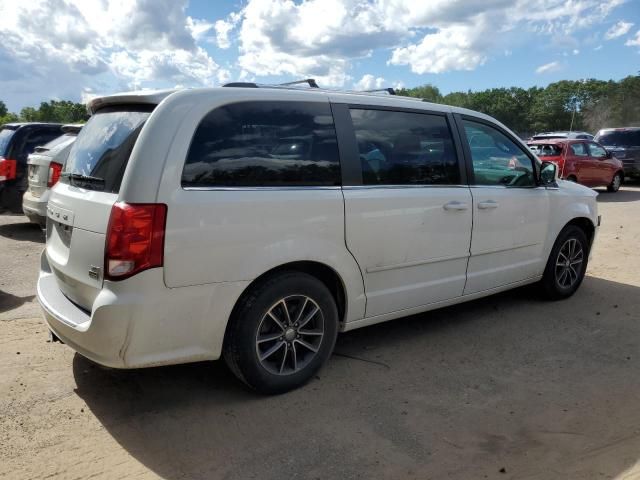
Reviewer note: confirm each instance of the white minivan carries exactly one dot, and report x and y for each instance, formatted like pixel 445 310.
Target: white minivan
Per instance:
pixel 256 222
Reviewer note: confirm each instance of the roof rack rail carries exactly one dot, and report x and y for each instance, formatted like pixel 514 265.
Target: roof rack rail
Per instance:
pixel 309 81
pixel 389 90
pixel 241 84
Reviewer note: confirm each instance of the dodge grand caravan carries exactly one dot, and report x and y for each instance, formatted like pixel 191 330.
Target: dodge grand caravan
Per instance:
pixel 254 224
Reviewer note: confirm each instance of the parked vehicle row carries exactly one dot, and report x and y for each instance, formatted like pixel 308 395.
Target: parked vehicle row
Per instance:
pixel 257 223
pixel 17 142
pixel 581 161
pixel 624 144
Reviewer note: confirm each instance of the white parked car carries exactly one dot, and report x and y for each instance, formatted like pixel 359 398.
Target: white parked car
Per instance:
pixel 257 223
pixel 44 166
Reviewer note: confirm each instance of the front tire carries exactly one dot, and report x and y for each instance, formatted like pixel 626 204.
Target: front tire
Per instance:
pixel 282 332
pixel 567 264
pixel 616 183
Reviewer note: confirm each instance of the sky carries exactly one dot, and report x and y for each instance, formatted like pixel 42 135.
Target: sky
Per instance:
pixel 77 49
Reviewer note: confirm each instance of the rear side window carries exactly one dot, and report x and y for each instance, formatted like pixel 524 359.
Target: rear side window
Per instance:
pixel 548 150
pixel 254 144
pixel 404 148
pixel 39 138
pixel 101 152
pixel 5 138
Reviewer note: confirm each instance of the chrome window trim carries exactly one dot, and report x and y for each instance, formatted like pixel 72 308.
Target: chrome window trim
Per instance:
pixel 370 187
pixel 257 188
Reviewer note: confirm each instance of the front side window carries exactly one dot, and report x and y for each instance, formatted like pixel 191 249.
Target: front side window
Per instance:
pixel 496 159
pixel 403 148
pixel 264 144
pixel 579 150
pixel 597 151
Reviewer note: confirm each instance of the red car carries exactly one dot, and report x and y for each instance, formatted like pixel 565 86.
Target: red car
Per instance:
pixel 581 161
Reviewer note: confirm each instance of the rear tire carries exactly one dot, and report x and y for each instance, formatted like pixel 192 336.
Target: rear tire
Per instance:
pixel 616 183
pixel 282 332
pixel 566 265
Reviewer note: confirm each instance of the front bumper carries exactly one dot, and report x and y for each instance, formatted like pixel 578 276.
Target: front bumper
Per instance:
pixel 139 322
pixel 631 167
pixel 35 208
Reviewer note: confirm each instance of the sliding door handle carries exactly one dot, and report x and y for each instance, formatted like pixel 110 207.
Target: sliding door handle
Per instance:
pixel 455 205
pixel 488 204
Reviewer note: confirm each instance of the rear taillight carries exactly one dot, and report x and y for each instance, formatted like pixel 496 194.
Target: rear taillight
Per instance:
pixel 54 174
pixel 7 169
pixel 135 239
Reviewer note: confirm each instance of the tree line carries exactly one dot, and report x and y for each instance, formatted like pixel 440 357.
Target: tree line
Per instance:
pixel 569 104
pixel 59 111
pixel 579 105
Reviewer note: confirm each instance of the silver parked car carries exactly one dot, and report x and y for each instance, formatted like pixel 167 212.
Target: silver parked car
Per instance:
pixel 44 167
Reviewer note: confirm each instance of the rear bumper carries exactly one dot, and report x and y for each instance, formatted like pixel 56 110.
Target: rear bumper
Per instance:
pixel 35 208
pixel 139 322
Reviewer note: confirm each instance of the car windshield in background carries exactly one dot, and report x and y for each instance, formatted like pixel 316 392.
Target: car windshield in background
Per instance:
pixel 549 150
pixel 100 155
pixel 620 138
pixel 547 137
pixel 5 138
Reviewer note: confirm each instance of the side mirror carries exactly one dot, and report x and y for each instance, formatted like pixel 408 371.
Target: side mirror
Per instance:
pixel 608 155
pixel 548 173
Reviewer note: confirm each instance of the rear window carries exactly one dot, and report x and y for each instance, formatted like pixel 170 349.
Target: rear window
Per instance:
pixel 264 144
pixel 103 147
pixel 619 138
pixel 5 138
pixel 57 143
pixel 548 150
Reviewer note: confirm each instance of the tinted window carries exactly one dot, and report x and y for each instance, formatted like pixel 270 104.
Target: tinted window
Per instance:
pixel 400 148
pixel 619 138
pixel 5 138
pixel 579 150
pixel 264 144
pixel 497 160
pixel 103 147
pixel 597 151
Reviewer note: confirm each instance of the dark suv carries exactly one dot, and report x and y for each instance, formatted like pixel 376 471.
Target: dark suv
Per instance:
pixel 624 144
pixel 17 141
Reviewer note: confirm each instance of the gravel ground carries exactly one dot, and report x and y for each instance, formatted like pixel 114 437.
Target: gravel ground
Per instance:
pixel 509 386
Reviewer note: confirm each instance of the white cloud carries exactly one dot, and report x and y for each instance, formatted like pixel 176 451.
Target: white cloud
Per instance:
pixel 369 82
pixel 619 29
pixel 634 41
pixel 548 68
pixel 320 38
pixel 63 46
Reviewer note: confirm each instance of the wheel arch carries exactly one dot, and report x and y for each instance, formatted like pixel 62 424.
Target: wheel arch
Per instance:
pixel 323 272
pixel 586 225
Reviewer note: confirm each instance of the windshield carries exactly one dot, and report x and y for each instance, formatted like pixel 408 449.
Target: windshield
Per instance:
pixel 5 138
pixel 103 147
pixel 620 138
pixel 546 150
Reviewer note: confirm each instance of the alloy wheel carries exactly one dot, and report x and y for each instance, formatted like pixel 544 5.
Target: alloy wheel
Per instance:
pixel 569 263
pixel 289 335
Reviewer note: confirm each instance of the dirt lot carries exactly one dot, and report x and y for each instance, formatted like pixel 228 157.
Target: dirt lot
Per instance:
pixel 505 387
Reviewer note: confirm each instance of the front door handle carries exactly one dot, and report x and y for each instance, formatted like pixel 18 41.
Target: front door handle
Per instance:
pixel 488 204
pixel 455 205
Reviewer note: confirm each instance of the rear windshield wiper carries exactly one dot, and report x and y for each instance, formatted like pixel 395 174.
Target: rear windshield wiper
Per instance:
pixel 76 178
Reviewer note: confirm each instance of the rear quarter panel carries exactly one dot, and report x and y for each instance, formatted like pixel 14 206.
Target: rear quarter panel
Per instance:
pixel 236 234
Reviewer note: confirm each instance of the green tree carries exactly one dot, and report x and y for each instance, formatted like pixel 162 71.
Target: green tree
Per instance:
pixel 3 109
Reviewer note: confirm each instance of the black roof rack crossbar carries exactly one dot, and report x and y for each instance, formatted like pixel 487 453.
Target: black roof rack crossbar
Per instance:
pixel 389 90
pixel 310 81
